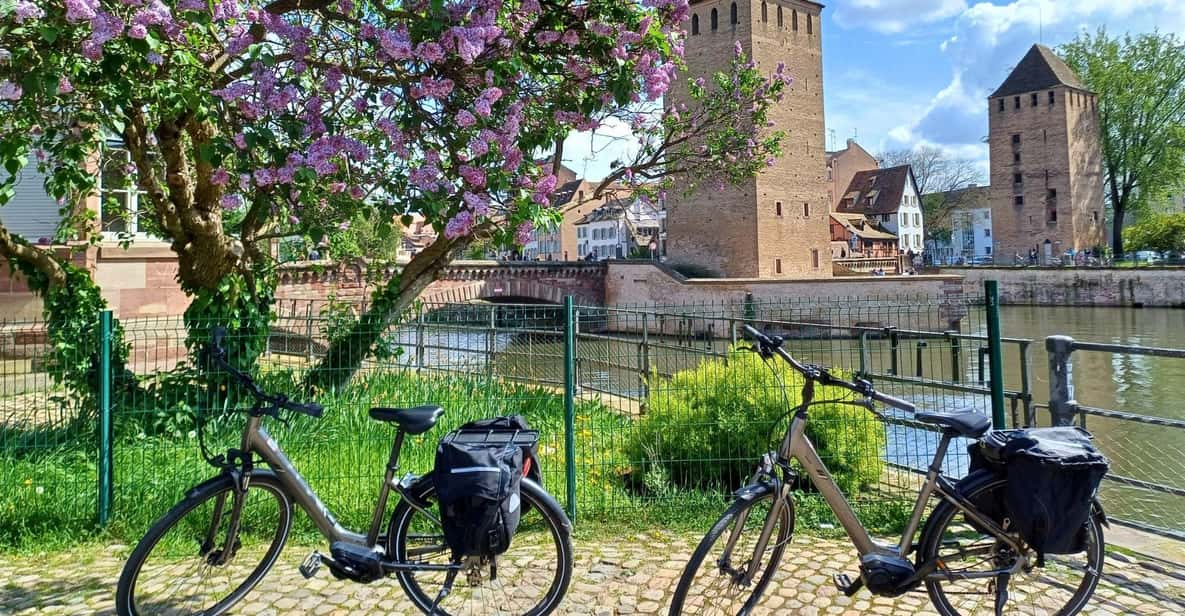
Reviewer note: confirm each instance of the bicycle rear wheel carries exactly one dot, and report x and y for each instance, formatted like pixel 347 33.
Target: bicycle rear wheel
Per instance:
pixel 711 583
pixel 179 566
pixel 531 577
pixel 1061 588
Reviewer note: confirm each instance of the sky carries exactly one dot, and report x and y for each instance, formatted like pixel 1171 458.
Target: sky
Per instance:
pixel 904 73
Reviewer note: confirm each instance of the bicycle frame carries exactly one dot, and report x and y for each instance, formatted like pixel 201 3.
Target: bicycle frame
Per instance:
pixel 797 446
pixel 256 440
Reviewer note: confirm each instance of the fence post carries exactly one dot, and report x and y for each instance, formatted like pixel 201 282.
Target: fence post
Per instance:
pixel 1027 399
pixel 106 455
pixel 420 338
pixel 865 357
pixel 491 341
pixel 921 348
pixel 894 352
pixel 1061 380
pixel 645 355
pixel 570 403
pixel 991 290
pixel 956 357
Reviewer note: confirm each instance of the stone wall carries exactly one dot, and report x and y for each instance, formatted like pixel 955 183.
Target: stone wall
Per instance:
pixel 907 302
pixel 1080 287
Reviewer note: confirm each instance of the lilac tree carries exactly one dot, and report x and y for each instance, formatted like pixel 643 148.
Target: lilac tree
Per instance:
pixel 251 121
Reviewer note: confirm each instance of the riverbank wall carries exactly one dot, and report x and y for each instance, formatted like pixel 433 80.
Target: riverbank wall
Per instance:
pixel 1142 287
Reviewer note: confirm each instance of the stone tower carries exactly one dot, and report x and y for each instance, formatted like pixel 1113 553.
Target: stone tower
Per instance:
pixel 774 225
pixel 1046 161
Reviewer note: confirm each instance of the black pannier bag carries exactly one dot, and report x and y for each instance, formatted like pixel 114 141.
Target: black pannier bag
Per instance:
pixel 509 424
pixel 1053 476
pixel 478 475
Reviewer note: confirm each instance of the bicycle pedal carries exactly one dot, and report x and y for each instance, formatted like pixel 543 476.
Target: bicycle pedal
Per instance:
pixel 310 566
pixel 845 584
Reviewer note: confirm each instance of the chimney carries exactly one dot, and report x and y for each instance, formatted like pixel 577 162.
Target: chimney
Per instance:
pixel 851 142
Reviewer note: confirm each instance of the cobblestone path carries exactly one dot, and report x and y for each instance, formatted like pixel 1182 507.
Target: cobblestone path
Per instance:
pixel 630 575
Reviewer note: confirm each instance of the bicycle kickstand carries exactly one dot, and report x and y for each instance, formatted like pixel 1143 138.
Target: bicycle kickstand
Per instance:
pixel 1001 592
pixel 449 578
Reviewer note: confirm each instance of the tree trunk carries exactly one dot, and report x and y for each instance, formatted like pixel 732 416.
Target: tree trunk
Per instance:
pixel 1118 211
pixel 389 303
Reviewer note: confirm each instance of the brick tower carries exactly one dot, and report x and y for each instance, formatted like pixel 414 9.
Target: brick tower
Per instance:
pixel 1046 161
pixel 774 225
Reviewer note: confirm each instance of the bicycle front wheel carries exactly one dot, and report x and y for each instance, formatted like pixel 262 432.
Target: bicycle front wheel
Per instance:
pixel 530 578
pixel 1061 588
pixel 185 565
pixel 714 581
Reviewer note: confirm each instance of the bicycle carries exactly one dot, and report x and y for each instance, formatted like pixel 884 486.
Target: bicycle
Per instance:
pixel 968 562
pixel 216 544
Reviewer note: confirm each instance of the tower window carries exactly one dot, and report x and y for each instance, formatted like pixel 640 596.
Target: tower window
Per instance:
pixel 1016 158
pixel 777 266
pixel 794 20
pixel 1015 99
pixel 778 208
pixel 694 24
pixel 1016 139
pixel 1094 216
pixel 732 14
pixel 806 210
pixel 1052 98
pixel 1033 99
pixel 715 20
pixel 1019 200
pixel 810 28
pixel 779 16
pixel 1018 179
pixel 1001 100
pixel 815 258
pixel 764 13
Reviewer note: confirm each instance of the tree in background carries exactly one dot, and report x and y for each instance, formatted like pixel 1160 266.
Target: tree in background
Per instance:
pixel 250 121
pixel 1159 232
pixel 1140 85
pixel 937 174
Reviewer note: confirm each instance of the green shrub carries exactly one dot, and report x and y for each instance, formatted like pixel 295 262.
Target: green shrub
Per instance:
pixel 707 427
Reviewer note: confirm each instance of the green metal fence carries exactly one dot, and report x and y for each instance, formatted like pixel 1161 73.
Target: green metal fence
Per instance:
pixel 648 411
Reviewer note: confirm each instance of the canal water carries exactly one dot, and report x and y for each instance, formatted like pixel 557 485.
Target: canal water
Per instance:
pixel 1130 383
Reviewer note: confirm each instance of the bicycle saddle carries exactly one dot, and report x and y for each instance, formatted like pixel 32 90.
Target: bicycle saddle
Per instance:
pixel 966 423
pixel 415 420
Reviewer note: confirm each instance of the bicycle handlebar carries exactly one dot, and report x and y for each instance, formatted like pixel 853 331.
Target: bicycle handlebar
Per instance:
pixel 773 346
pixel 217 353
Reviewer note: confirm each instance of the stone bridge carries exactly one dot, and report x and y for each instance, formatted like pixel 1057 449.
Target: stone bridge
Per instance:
pixel 308 284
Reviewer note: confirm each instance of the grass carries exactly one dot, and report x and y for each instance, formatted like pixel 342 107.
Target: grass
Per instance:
pixel 48 494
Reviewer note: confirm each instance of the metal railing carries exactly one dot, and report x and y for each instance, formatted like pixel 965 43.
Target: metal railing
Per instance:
pixel 1148 482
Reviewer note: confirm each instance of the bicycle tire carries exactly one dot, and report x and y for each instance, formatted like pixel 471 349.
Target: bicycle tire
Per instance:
pixel 932 540
pixel 726 522
pixel 262 482
pixel 542 515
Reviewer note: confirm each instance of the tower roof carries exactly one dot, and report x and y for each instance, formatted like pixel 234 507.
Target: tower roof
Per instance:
pixel 1040 69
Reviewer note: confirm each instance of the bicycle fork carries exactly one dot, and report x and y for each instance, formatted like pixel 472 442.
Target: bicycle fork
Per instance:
pixel 781 498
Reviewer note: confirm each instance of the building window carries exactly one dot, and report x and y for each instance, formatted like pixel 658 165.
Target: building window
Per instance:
pixel 732 14
pixel 1052 98
pixel 806 210
pixel 715 20
pixel 1033 99
pixel 904 219
pixel 1018 179
pixel 1001 100
pixel 119 199
pixel 810 29
pixel 1016 158
pixel 794 20
pixel 1016 139
pixel 778 208
pixel 779 16
pixel 917 219
pixel 1094 216
pixel 764 13
pixel 1051 215
pixel 695 24
pixel 1019 200
pixel 777 266
pixel 815 258
pixel 987 232
pixel 1016 102
pixel 987 250
pixel 884 218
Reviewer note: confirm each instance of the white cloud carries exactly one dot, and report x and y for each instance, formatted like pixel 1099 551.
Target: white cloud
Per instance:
pixel 990 39
pixel 894 16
